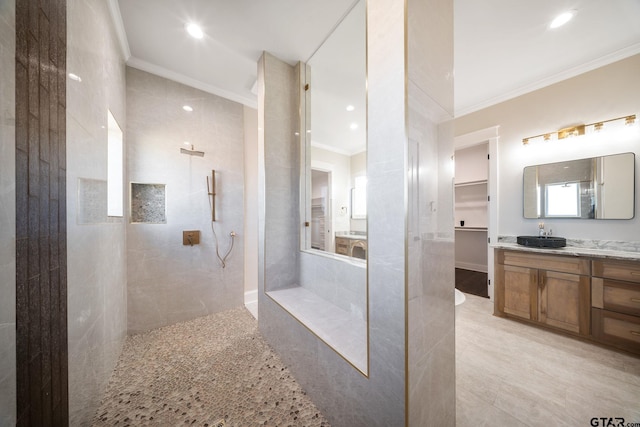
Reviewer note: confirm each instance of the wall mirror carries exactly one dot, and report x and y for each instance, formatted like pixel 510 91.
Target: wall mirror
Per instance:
pixel 594 188
pixel 336 141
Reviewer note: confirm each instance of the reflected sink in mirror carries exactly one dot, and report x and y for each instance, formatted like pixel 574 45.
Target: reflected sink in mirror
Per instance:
pixel 542 241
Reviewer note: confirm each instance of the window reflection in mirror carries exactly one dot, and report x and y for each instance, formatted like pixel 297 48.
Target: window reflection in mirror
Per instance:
pixel 594 188
pixel 336 141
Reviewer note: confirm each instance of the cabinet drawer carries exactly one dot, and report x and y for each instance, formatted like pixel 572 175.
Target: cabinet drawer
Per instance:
pixel 623 297
pixel 620 270
pixel 342 246
pixel 564 264
pixel 619 329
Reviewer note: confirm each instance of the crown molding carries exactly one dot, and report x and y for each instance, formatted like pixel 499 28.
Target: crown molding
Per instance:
pixel 189 81
pixel 118 25
pixel 610 58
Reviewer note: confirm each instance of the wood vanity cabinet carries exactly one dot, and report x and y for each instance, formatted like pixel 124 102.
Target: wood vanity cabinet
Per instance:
pixel 615 303
pixel 595 298
pixel 549 290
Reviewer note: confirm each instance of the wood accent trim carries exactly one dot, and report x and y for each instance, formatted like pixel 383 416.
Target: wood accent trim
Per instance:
pixel 498 291
pixel 534 284
pixel 597 292
pixel 41 251
pixel 565 264
pixel 584 306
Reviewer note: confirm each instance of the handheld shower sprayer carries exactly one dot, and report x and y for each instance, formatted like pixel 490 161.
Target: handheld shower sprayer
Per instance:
pixel 211 191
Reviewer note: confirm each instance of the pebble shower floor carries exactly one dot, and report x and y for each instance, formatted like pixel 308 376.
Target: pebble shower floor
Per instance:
pixel 212 371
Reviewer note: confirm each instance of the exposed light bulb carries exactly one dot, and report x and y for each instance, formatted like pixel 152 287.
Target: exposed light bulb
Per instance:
pixel 188 108
pixel 350 108
pixel 75 77
pixel 195 31
pixel 561 19
pixel 353 126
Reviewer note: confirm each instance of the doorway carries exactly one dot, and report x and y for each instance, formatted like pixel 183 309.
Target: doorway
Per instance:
pixel 321 221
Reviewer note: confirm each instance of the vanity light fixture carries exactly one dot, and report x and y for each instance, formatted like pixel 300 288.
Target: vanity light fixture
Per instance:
pixel 579 129
pixel 194 30
pixel 350 108
pixel 188 108
pixel 353 126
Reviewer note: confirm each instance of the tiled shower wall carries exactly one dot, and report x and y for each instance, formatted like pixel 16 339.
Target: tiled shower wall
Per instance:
pixel 7 215
pixel 430 231
pixel 169 282
pixel 96 244
pixel 41 234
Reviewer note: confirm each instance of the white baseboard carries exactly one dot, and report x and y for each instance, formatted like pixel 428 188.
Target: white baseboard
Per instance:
pixel 251 297
pixel 473 267
pixel 251 302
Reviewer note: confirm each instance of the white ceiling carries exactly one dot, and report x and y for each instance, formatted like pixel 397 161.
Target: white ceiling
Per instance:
pixel 503 48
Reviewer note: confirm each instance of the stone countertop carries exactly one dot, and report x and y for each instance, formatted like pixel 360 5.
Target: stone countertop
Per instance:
pixel 352 236
pixel 572 251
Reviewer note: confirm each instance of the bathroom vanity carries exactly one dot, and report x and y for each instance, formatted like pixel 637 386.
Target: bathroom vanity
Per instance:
pixel 591 294
pixel 353 245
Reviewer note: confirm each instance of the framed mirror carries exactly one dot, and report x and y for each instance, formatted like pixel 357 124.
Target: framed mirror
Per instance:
pixel 593 188
pixel 336 142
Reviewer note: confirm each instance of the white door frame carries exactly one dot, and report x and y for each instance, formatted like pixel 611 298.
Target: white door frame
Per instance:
pixel 489 136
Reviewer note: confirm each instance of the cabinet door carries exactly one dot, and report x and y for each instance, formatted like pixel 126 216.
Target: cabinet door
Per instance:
pixel 564 301
pixel 520 291
pixel 342 246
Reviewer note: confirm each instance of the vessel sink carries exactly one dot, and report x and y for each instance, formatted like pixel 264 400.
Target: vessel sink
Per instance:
pixel 542 242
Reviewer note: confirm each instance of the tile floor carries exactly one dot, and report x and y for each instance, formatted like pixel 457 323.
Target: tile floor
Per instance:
pixel 512 374
pixel 508 374
pixel 212 371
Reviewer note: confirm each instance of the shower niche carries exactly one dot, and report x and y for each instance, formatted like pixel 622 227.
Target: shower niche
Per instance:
pixel 148 203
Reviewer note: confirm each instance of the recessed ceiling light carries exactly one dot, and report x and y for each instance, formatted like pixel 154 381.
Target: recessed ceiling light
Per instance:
pixel 194 30
pixel 188 108
pixel 562 19
pixel 350 108
pixel 353 126
pixel 75 77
